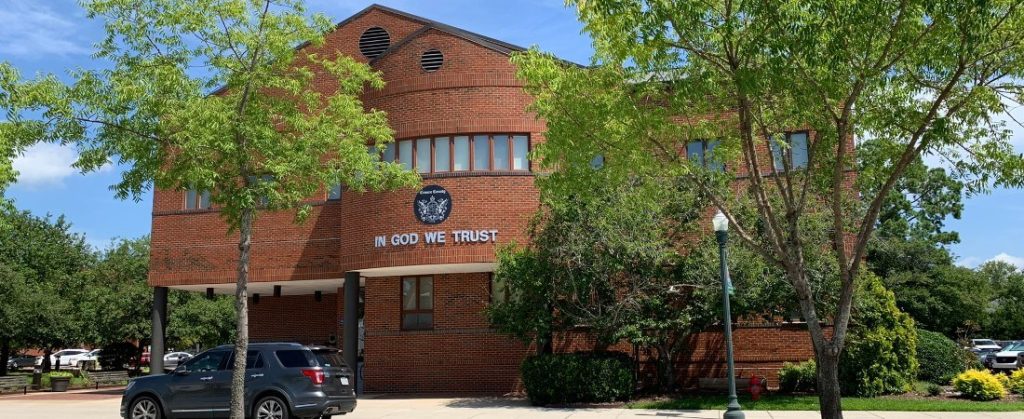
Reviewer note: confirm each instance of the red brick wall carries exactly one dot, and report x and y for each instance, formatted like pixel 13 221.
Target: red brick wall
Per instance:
pixel 294 318
pixel 474 91
pixel 462 354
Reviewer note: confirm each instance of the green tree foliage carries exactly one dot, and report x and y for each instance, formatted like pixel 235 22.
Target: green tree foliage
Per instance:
pixel 214 95
pixel 917 76
pixel 1007 305
pixel 880 356
pixel 952 300
pixel 43 261
pixel 118 302
pixel 606 260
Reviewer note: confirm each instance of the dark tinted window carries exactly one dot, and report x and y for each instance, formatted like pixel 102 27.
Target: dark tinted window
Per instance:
pixel 329 358
pixel 296 358
pixel 252 360
pixel 210 361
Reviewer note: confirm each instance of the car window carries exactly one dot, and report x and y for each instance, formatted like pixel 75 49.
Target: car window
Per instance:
pixel 210 361
pixel 295 358
pixel 329 358
pixel 1016 346
pixel 253 360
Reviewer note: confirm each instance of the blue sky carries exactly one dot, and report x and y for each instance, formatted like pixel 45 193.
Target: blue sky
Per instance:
pixel 54 35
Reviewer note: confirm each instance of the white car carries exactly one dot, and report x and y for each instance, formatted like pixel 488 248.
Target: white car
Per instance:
pixel 1008 357
pixel 172 359
pixel 67 357
pixel 984 345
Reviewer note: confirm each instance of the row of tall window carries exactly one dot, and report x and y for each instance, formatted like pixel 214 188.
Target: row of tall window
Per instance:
pixel 508 152
pixel 461 153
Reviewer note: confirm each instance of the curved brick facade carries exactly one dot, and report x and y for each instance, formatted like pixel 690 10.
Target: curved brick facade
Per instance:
pixel 475 91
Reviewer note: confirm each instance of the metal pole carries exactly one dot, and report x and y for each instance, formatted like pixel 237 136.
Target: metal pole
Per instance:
pixel 732 411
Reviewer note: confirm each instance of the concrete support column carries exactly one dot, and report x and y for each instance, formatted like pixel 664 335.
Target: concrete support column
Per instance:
pixel 159 316
pixel 350 332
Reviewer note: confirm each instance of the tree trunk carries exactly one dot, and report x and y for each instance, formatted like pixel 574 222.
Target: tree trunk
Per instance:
pixel 666 371
pixel 5 355
pixel 828 385
pixel 242 314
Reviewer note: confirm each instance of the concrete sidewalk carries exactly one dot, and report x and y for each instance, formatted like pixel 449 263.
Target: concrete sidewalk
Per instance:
pixel 104 404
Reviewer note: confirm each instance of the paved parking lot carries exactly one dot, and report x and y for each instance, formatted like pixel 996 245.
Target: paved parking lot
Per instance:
pixel 104 405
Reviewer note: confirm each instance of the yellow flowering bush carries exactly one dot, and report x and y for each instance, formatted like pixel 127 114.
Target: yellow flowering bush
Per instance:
pixel 979 385
pixel 1016 382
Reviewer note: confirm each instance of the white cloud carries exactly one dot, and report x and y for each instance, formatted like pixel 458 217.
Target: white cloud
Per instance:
pixel 974 261
pixel 1013 260
pixel 33 29
pixel 46 164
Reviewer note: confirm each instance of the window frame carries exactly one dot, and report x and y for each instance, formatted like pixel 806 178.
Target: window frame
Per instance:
pixel 787 154
pixel 401 301
pixel 471 140
pixel 704 153
pixel 197 205
pixel 491 283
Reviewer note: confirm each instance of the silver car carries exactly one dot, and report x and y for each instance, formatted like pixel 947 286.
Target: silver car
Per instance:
pixel 173 359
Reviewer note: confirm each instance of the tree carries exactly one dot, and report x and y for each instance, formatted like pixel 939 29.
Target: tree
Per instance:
pixel 605 262
pixel 43 260
pixel 951 300
pixel 215 95
pixel 1007 306
pixel 917 76
pixel 118 300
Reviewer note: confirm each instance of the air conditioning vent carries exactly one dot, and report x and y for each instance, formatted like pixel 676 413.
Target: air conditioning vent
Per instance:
pixel 431 60
pixel 374 42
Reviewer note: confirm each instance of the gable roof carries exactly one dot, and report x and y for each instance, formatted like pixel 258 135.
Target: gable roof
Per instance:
pixel 484 41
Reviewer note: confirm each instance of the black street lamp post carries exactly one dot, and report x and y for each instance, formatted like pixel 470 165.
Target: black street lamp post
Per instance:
pixel 721 225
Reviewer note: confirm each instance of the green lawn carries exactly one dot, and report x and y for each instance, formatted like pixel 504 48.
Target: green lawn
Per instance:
pixel 781 402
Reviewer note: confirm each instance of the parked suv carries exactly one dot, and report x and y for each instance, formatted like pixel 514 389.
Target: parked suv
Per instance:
pixel 1006 359
pixel 282 381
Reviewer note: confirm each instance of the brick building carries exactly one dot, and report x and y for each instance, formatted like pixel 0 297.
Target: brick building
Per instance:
pixel 414 266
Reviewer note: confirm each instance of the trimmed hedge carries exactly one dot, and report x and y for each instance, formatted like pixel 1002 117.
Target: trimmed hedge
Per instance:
pixel 798 378
pixel 578 377
pixel 939 358
pixel 979 385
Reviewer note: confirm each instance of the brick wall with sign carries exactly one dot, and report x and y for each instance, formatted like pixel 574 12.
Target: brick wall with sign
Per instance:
pixel 473 92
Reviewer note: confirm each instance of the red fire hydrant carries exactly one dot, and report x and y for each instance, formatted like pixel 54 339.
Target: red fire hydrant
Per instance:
pixel 757 385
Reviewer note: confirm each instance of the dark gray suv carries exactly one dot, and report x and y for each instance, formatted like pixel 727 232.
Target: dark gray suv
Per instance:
pixel 282 381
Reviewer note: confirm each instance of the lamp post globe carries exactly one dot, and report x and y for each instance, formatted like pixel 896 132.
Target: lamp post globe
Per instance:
pixel 721 225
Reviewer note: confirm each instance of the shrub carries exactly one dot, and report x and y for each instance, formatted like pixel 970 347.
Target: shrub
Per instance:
pixel 802 377
pixel 940 358
pixel 934 389
pixel 979 385
pixel 61 374
pixel 578 377
pixel 881 349
pixel 1015 382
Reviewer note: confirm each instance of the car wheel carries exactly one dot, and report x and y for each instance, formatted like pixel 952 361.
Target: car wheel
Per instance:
pixel 144 408
pixel 270 407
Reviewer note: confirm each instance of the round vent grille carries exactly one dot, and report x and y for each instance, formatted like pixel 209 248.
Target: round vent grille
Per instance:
pixel 374 42
pixel 431 60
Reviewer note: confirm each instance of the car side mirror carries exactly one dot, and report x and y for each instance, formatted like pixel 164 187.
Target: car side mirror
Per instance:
pixel 181 370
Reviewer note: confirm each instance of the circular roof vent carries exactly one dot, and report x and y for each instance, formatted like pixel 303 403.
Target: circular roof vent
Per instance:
pixel 431 60
pixel 373 42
